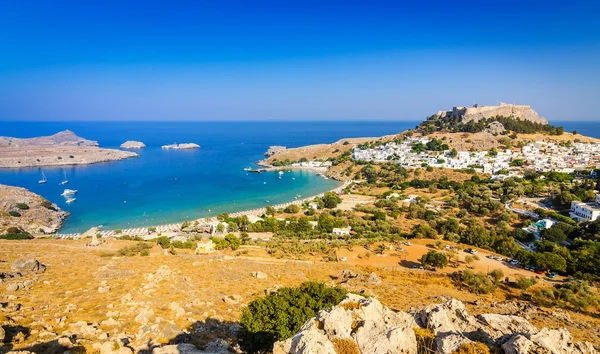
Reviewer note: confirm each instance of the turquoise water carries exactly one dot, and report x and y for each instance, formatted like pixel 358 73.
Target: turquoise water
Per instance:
pixel 167 186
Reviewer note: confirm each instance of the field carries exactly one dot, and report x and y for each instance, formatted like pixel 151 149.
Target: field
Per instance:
pixel 157 296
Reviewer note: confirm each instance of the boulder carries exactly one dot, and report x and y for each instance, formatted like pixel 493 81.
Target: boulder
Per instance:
pixel 449 343
pixel 449 317
pixel 28 265
pixel 182 348
pixel 547 341
pixel 115 347
pixel 259 275
pixel 2 334
pixel 356 322
pixel 499 326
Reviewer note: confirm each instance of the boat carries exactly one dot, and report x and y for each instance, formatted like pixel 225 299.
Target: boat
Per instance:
pixel 69 192
pixel 280 174
pixel 43 180
pixel 71 200
pixel 65 181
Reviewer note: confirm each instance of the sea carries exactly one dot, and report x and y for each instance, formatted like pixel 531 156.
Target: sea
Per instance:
pixel 169 186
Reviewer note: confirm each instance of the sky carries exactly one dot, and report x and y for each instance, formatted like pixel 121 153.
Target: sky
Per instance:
pixel 295 60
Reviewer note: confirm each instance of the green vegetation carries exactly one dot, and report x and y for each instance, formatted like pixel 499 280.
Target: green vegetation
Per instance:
pixel 141 248
pixel 434 259
pixel 22 206
pixel 14 233
pixel 511 125
pixel 15 214
pixel 280 315
pixel 230 241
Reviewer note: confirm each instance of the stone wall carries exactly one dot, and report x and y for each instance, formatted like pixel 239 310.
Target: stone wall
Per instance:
pixel 523 112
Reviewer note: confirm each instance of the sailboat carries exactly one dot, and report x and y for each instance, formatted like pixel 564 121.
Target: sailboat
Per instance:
pixel 65 181
pixel 43 180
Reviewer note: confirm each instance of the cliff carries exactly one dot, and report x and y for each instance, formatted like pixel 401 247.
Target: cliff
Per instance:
pixel 467 114
pixel 28 211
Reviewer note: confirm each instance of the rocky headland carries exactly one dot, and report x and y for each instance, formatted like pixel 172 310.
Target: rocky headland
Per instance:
pixel 27 211
pixel 475 114
pixel 130 144
pixel 61 149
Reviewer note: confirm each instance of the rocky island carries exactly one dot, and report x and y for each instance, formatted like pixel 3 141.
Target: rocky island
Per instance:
pixel 29 212
pixel 63 148
pixel 130 144
pixel 181 146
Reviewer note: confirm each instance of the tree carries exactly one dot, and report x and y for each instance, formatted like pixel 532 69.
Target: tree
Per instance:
pixel 497 275
pixel 269 210
pixel 434 259
pixel 453 153
pixel 163 241
pixel 220 228
pixel 244 237
pixel 233 241
pixel 525 283
pixel 469 260
pixel 292 209
pixel 551 261
pixel 331 200
pixel 280 315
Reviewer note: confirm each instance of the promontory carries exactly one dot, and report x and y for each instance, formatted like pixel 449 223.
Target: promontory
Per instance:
pixel 63 148
pixel 22 210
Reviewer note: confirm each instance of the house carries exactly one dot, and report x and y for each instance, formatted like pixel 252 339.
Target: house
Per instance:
pixel 253 219
pixel 314 206
pixel 314 224
pixel 584 212
pixel 205 246
pixel 341 231
pixel 393 195
pixel 214 225
pixel 537 227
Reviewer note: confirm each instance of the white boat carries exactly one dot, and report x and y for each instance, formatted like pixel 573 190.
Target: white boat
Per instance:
pixel 69 192
pixel 71 200
pixel 65 181
pixel 43 180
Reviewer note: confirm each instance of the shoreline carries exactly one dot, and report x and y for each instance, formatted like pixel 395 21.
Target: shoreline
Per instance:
pixel 176 226
pixel 42 156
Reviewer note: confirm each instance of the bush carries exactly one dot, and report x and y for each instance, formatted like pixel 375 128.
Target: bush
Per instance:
pixel 479 283
pixel 134 250
pixel 16 236
pixel 525 283
pixel 292 209
pixel 434 259
pixel 22 206
pixel 280 315
pixel 164 241
pixel 14 214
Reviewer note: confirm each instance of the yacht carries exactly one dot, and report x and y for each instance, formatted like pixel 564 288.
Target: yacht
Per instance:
pixel 43 180
pixel 69 192
pixel 71 200
pixel 64 181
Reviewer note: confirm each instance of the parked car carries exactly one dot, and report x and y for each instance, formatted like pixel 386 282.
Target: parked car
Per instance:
pixel 399 249
pixel 499 258
pixel 514 262
pixel 408 243
pixel 552 275
pixel 491 256
pixel 367 247
pixel 473 252
pixel 468 250
pixel 343 259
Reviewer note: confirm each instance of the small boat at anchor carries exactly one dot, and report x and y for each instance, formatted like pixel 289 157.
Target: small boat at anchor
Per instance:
pixel 69 192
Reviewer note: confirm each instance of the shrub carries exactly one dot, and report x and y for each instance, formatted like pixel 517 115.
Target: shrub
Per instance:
pixel 280 315
pixel 134 250
pixel 292 209
pixel 434 259
pixel 479 283
pixel 233 241
pixel 21 235
pixel 525 283
pixel 164 241
pixel 22 206
pixel 13 213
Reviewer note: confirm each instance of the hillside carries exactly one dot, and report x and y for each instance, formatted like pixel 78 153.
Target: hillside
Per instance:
pixel 30 212
pixel 63 148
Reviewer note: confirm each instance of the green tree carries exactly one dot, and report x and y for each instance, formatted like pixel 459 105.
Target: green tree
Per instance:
pixel 280 315
pixel 233 241
pixel 434 259
pixel 331 200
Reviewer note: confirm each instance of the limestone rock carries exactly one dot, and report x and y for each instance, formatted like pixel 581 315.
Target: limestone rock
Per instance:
pixel 2 334
pixel 495 128
pixel 449 343
pixel 365 323
pixel 448 317
pixel 182 348
pixel 115 347
pixel 25 265
pixel 259 275
pixel 130 144
pixel 502 325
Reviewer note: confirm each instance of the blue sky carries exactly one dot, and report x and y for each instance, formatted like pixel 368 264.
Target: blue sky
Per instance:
pixel 304 60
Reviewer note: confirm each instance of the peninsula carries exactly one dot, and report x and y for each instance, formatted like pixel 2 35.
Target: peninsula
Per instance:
pixel 63 148
pixel 23 210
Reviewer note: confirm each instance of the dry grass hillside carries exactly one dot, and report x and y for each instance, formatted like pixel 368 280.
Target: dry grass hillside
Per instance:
pixel 153 299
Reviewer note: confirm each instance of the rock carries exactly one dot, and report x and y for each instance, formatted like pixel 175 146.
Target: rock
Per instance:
pixel 130 144
pixel 103 289
pixel 448 317
pixel 182 348
pixel 81 328
pixel 357 321
pixel 114 347
pixel 449 343
pixel 179 311
pixel 348 274
pixel 2 334
pixel 144 315
pixel 12 287
pixel 373 279
pixel 181 146
pixel 547 341
pixel 259 275
pixel 503 325
pixel 28 265
pixel 495 128
pixel 233 299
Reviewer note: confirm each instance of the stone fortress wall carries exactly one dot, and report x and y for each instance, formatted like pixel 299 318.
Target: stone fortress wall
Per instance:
pixel 467 114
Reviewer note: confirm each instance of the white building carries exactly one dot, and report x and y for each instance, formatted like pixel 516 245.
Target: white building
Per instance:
pixel 341 231
pixel 584 212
